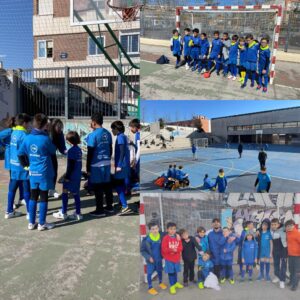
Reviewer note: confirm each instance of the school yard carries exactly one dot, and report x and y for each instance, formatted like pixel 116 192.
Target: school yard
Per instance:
pixel 239 291
pixel 90 259
pixel 164 82
pixel 282 164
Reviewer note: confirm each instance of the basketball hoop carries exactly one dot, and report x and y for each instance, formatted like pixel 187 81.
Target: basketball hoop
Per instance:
pixel 126 10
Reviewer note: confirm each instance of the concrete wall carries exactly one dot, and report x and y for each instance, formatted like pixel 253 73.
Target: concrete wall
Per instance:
pixel 219 126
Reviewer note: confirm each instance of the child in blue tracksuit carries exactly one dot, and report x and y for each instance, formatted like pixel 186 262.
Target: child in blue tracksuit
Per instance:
pixel 225 53
pixel 205 266
pixel 170 171
pixel 5 143
pixel 181 176
pixel 221 182
pixel 233 56
pixel 227 256
pixel 195 45
pixel 204 51
pixel 202 238
pixel 249 255
pixel 122 162
pixel 263 181
pixel 35 153
pixel 216 52
pixel 251 60
pixel 265 246
pixel 176 47
pixel 151 251
pixel 242 51
pixel 72 178
pixel 216 241
pixel 18 175
pixel 186 47
pixel 194 149
pixel 208 184
pixel 263 64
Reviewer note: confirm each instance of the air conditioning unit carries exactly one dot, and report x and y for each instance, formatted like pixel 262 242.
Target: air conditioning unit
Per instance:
pixel 102 83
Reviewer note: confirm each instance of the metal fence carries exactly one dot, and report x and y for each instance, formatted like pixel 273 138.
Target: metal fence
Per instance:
pixel 74 92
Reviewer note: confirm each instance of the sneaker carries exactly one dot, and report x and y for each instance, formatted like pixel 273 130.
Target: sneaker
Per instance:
pixel 234 78
pixel 250 279
pixel 96 213
pixel 13 214
pixel 125 210
pixel 275 280
pixel 229 76
pixel 173 290
pixel 223 280
pixel 201 285
pixel 243 86
pixel 46 226
pixel 109 209
pixel 265 90
pixel 22 202
pixel 293 288
pixel 74 216
pixel 56 195
pixel 252 84
pixel 260 277
pixel 281 284
pixel 218 73
pixel 152 292
pixel 178 285
pixel 231 281
pixel 59 215
pixel 185 284
pixel 268 278
pixel 203 71
pixel 187 66
pixel 258 87
pixel 163 286
pixel 32 226
pixel 51 193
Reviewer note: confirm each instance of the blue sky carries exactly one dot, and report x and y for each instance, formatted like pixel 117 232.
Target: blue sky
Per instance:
pixel 16 41
pixel 185 109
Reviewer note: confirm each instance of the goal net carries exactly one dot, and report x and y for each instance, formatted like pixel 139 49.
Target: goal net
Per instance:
pixel 259 20
pixel 201 142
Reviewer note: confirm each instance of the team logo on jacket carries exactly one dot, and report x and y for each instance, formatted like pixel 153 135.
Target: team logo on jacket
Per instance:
pixel 14 139
pixel 34 148
pixel 104 137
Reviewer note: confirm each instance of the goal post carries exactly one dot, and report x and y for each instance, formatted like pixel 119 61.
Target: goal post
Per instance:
pixel 200 142
pixel 260 20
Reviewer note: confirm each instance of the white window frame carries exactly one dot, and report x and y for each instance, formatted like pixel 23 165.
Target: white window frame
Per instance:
pixel 45 41
pixel 47 13
pixel 131 33
pixel 104 43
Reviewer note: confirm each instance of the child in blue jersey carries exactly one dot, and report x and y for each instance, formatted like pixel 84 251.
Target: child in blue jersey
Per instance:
pixel 265 250
pixel 35 153
pixel 182 177
pixel 205 266
pixel 98 165
pixel 18 175
pixel 251 60
pixel 122 162
pixel 233 56
pixel 263 181
pixel 151 251
pixel 135 127
pixel 170 171
pixel 249 255
pixel 242 59
pixel 208 183
pixel 5 143
pixel 195 48
pixel 216 52
pixel 221 182
pixel 227 252
pixel 194 149
pixel 263 64
pixel 176 47
pixel 72 178
pixel 204 51
pixel 202 239
pixel 225 52
pixel 186 47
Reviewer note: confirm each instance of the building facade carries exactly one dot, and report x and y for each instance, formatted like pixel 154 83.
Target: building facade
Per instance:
pixel 206 127
pixel 280 126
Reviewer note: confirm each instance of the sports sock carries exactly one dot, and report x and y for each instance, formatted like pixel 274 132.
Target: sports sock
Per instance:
pixel 65 200
pixel 43 212
pixel 32 211
pixel 77 204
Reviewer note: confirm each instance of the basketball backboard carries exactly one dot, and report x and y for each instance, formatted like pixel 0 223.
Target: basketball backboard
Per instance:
pixel 91 12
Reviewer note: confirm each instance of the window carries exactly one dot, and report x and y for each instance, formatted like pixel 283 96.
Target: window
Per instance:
pixel 290 124
pixel 257 126
pixel 130 43
pixel 264 126
pixel 45 7
pixel 230 128
pixel 277 125
pixel 247 127
pixel 93 48
pixel 45 49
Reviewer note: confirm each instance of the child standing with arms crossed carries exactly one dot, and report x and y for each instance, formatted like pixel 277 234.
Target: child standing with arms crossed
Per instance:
pixel 186 47
pixel 263 64
pixel 171 249
pixel 176 47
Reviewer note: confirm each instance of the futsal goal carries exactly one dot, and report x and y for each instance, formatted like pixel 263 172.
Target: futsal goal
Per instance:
pixel 259 20
pixel 200 142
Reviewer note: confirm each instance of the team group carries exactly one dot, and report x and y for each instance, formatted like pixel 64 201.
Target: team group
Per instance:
pixel 236 55
pixel 30 158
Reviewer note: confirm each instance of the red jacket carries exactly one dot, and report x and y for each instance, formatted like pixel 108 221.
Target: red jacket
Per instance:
pixel 293 242
pixel 171 248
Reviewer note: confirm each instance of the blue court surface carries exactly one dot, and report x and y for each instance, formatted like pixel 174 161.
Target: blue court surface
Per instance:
pixel 283 165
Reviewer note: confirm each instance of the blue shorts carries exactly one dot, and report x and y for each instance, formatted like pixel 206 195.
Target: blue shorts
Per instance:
pixel 251 66
pixel 156 266
pixel 226 262
pixel 195 53
pixel 171 267
pixel 43 186
pixel 232 61
pixel 264 253
pixel 17 175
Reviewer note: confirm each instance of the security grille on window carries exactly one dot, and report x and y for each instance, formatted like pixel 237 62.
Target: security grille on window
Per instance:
pixel 45 7
pixel 130 43
pixel 93 48
pixel 45 49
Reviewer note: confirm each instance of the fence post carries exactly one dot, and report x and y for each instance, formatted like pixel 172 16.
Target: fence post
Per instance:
pixel 67 70
pixel 286 46
pixel 119 96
